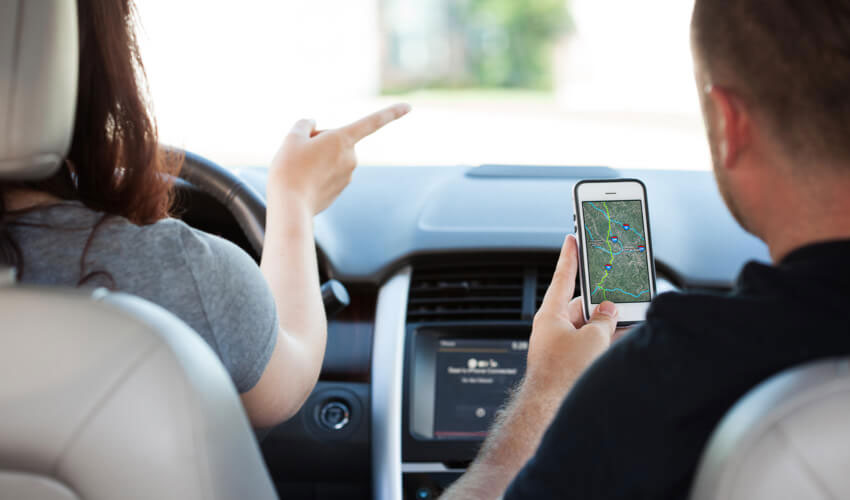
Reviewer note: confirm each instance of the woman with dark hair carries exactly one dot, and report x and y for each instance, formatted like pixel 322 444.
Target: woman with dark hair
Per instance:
pixel 103 220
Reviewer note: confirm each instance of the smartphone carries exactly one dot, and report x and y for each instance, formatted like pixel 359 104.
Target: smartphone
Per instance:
pixel 615 248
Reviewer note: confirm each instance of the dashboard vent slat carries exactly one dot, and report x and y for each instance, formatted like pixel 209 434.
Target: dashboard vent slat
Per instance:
pixel 462 300
pixel 544 278
pixel 459 293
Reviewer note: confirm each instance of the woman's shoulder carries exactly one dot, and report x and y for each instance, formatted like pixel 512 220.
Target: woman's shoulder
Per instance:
pixel 168 244
pixel 175 237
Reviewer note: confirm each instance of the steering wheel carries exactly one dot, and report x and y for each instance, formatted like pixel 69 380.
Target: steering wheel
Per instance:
pixel 237 196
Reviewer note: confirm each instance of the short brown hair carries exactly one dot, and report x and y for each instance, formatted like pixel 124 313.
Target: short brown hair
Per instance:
pixel 790 61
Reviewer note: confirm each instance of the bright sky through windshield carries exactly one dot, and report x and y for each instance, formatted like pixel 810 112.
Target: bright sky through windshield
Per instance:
pixel 229 78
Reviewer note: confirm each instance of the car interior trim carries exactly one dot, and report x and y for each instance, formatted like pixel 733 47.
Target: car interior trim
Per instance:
pixel 428 468
pixel 386 396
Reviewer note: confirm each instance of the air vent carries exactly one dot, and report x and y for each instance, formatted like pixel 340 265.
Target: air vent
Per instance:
pixel 466 293
pixel 544 277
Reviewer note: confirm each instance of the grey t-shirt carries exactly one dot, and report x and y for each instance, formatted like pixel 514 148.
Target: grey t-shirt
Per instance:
pixel 208 282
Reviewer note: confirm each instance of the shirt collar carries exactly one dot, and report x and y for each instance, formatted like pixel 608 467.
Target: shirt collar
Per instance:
pixel 826 251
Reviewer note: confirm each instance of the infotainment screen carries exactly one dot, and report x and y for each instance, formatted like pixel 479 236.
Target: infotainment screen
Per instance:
pixel 473 378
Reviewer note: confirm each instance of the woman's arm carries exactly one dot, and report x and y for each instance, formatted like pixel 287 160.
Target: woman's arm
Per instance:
pixel 307 174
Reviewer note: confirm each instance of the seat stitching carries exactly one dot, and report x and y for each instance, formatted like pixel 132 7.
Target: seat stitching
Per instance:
pixel 119 381
pixel 51 477
pixel 806 466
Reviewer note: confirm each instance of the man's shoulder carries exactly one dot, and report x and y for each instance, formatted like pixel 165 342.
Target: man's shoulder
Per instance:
pixel 681 329
pixel 697 313
pixel 691 302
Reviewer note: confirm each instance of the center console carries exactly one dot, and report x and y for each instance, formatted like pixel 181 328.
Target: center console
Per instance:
pixel 457 378
pixel 458 384
pixel 449 345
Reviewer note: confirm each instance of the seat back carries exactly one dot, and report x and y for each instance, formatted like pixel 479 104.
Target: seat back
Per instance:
pixel 789 438
pixel 106 396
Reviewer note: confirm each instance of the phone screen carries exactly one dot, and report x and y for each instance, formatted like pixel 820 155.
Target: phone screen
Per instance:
pixel 618 261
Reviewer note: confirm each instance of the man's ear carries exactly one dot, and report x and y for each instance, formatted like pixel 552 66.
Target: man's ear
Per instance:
pixel 733 124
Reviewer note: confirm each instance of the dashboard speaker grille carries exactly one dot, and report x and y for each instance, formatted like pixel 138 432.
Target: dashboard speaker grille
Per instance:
pixel 466 293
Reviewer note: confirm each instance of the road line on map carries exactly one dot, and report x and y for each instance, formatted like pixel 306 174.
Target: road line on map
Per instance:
pixel 610 250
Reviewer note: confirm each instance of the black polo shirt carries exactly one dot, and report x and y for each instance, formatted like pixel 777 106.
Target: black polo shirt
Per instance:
pixel 636 423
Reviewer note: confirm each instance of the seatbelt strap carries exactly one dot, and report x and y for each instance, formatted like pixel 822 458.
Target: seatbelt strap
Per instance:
pixel 8 276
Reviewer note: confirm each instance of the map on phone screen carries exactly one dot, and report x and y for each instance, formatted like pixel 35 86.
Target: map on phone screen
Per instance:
pixel 616 251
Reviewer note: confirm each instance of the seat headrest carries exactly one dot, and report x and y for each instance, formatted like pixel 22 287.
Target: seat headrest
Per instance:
pixel 788 438
pixel 39 62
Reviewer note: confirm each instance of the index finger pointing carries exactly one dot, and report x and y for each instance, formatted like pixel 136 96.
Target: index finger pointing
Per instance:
pixel 372 123
pixel 563 285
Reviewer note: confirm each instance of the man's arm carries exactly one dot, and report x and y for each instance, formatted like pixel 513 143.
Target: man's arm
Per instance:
pixel 512 441
pixel 560 349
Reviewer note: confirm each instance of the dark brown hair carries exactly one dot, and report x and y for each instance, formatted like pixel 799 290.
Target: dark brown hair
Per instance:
pixel 789 60
pixel 115 164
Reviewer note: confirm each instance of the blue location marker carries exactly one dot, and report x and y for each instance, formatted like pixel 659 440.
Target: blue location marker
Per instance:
pixel 615 239
pixel 626 227
pixel 608 267
pixel 641 248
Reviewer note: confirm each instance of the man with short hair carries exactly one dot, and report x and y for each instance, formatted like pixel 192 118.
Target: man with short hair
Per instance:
pixel 774 81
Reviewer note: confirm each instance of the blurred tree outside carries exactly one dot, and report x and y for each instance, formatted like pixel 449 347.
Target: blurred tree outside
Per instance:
pixel 510 42
pixel 465 44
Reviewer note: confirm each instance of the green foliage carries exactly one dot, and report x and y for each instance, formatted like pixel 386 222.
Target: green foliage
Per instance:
pixel 509 42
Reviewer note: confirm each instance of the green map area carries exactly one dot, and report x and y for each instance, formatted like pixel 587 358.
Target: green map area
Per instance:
pixel 616 251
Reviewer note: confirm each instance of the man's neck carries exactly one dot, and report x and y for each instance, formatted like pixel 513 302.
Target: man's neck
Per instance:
pixel 807 221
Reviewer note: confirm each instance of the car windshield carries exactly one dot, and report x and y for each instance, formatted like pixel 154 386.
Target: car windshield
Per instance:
pixel 542 82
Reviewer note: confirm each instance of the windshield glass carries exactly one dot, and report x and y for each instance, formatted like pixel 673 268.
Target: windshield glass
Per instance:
pixel 538 82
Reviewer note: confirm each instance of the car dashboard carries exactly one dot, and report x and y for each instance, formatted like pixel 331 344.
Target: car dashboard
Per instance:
pixel 446 267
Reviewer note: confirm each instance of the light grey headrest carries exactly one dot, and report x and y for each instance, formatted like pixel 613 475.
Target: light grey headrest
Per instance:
pixel 38 85
pixel 789 438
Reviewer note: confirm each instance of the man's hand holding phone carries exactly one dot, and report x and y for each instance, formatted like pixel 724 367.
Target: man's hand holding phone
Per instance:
pixel 562 346
pixel 562 343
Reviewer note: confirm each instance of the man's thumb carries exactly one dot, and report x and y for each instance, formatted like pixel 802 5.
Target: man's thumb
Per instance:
pixel 605 316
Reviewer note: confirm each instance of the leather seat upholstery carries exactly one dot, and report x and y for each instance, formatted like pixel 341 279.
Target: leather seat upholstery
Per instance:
pixel 789 438
pixel 39 60
pixel 102 396
pixel 106 396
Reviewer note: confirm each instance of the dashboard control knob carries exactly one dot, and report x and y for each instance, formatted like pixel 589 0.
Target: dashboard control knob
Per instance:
pixel 335 298
pixel 334 415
